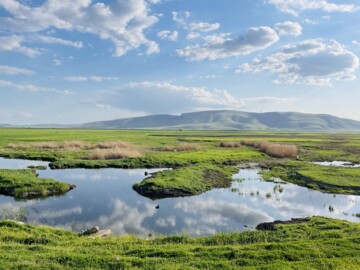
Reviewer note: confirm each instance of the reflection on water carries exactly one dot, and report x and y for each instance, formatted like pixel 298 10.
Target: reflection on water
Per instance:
pixel 105 198
pixel 344 164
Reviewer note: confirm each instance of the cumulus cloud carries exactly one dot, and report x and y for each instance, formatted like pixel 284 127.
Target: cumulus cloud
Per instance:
pixel 31 88
pixel 11 70
pixel 194 29
pixel 160 97
pixel 53 40
pixel 311 62
pixel 294 7
pixel 89 78
pixel 180 17
pixel 14 43
pixel 168 35
pixel 203 26
pixel 122 21
pixel 288 28
pixel 223 46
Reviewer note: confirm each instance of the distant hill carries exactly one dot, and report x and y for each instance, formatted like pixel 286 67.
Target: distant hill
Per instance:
pixel 232 120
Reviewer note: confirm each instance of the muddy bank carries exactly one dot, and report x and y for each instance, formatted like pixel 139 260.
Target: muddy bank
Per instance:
pixel 271 226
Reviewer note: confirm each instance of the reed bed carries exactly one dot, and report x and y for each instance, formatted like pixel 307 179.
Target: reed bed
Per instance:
pixel 230 144
pixel 115 153
pixel 278 150
pixel 182 147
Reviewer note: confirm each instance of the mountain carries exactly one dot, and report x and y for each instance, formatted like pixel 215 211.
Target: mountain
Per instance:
pixel 232 120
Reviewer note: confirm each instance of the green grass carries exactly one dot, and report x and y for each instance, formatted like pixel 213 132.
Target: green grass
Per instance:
pixel 25 184
pixel 186 181
pixel 312 147
pixel 328 179
pixel 320 243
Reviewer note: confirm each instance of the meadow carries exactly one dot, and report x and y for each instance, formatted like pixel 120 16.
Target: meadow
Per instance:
pixel 189 153
pixel 199 161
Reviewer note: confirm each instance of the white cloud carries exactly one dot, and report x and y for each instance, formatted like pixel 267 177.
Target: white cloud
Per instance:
pixel 123 21
pixel 222 46
pixel 14 43
pixel 294 7
pixel 89 78
pixel 288 28
pixel 57 62
pixel 31 88
pixel 310 62
pixel 356 42
pixel 165 97
pixel 54 40
pixel 203 26
pixel 168 35
pixel 11 70
pixel 180 17
pixel 192 35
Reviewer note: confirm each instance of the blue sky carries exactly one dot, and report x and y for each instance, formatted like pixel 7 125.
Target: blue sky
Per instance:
pixel 81 60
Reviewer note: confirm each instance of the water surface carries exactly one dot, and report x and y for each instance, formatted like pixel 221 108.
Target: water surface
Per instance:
pixel 105 198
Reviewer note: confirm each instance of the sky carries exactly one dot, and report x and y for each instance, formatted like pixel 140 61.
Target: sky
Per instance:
pixel 81 61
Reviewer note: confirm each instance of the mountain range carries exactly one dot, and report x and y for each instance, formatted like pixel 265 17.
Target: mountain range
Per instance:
pixel 231 120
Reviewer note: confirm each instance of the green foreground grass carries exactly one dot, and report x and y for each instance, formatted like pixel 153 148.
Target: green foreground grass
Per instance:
pixel 26 184
pixel 321 243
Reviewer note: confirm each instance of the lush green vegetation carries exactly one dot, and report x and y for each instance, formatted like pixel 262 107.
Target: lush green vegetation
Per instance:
pixel 186 181
pixel 320 243
pixel 159 148
pixel 26 184
pixel 329 179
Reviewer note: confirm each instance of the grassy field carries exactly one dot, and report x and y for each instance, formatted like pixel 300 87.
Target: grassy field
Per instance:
pixel 200 161
pixel 320 243
pixel 187 151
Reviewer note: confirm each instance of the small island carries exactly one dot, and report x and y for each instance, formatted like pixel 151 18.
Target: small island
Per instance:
pixel 25 184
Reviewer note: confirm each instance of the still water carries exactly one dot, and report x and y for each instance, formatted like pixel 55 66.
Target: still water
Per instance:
pixel 105 198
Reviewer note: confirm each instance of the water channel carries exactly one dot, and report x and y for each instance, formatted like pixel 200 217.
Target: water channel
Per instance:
pixel 105 198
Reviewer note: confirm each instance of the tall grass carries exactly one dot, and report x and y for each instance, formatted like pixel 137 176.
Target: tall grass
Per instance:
pixel 50 145
pixel 66 145
pixel 278 150
pixel 182 147
pixel 229 144
pixel 115 153
pixel 111 145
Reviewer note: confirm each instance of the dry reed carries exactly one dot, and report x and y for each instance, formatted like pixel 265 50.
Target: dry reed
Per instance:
pixel 114 153
pixel 182 147
pixel 278 150
pixel 229 144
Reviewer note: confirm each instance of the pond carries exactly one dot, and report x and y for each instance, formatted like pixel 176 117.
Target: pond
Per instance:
pixel 105 198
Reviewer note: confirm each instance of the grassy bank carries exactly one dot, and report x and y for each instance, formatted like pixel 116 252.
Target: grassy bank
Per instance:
pixel 186 181
pixel 320 243
pixel 327 179
pixel 26 184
